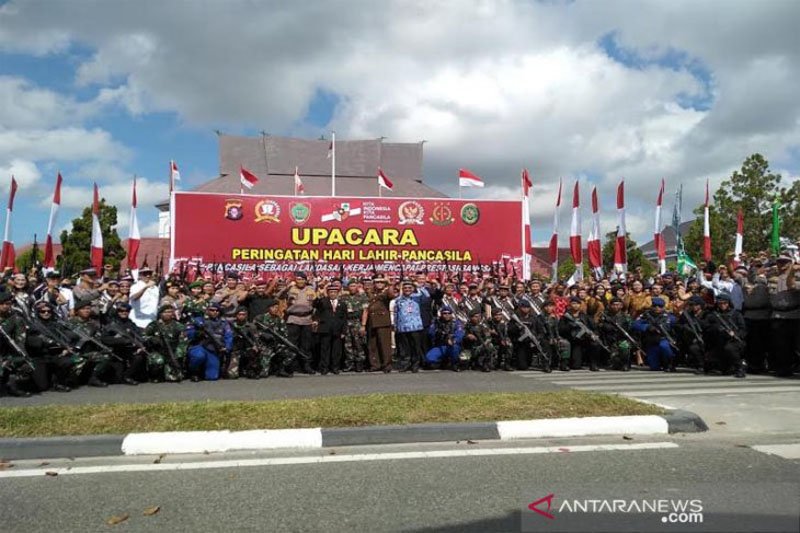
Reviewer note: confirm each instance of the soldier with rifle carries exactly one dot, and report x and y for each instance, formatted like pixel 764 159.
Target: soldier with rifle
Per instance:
pixel 50 347
pixel 16 367
pixel 97 355
pixel 726 333
pixel 579 329
pixel 477 343
pixel 447 334
pixel 166 341
pixel 249 348
pixel 557 347
pixel 690 332
pixel 273 329
pixel 615 325
pixel 527 348
pixel 210 343
pixel 124 337
pixel 501 341
pixel 656 327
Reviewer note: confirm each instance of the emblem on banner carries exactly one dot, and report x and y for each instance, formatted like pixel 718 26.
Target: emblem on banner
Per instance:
pixel 341 212
pixel 470 214
pixel 410 212
pixel 233 210
pixel 442 215
pixel 300 213
pixel 268 211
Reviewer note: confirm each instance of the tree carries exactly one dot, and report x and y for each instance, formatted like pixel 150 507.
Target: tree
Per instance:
pixel 23 260
pixel 566 268
pixel 76 244
pixel 635 256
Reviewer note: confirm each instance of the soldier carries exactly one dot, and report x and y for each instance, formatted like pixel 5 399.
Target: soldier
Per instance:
pixel 547 326
pixel 756 311
pixel 524 351
pixel 498 328
pixel 726 333
pixel 478 343
pixel 656 327
pixel 376 322
pixel 355 343
pixel 690 331
pixel 211 340
pixel 14 360
pixel 579 329
pixel 166 340
pixel 85 289
pixel 613 319
pixel 49 347
pixel 278 355
pixel 785 317
pixel 248 349
pixel 124 337
pixel 447 334
pixel 196 303
pixel 97 356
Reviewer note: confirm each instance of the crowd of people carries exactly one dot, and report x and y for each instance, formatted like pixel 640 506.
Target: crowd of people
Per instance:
pixel 58 333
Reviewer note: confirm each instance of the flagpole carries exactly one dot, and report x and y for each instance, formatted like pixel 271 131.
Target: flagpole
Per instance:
pixel 333 163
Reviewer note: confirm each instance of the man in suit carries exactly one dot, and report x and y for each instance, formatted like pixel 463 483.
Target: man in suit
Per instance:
pixel 377 321
pixel 329 319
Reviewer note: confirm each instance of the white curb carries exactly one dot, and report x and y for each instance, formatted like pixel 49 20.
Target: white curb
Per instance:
pixel 220 441
pixel 582 427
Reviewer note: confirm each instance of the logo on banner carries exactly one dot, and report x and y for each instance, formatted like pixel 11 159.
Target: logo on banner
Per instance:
pixel 341 212
pixel 410 212
pixel 268 211
pixel 470 214
pixel 442 215
pixel 300 213
pixel 233 210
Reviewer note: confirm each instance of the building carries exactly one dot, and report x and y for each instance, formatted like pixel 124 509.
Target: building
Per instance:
pixel 670 242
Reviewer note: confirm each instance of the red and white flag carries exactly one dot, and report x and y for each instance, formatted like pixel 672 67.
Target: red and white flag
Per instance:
pixel 174 175
pixel 706 230
pixel 593 246
pixel 737 249
pixel 247 178
pixel 298 183
pixel 49 256
pixel 554 240
pixel 658 238
pixel 9 256
pixel 526 224
pixel 96 254
pixel 133 236
pixel 383 181
pixel 575 245
pixel 468 179
pixel 620 250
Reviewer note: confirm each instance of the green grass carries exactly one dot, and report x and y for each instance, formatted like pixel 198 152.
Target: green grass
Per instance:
pixel 337 411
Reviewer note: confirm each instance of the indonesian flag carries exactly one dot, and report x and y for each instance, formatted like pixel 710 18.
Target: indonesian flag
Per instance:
pixel 9 256
pixel 526 224
pixel 383 181
pixel 554 240
pixel 49 256
pixel 468 179
pixel 575 235
pixel 133 235
pixel 620 250
pixel 174 175
pixel 737 249
pixel 97 236
pixel 298 183
pixel 247 178
pixel 595 252
pixel 330 150
pixel 658 238
pixel 706 230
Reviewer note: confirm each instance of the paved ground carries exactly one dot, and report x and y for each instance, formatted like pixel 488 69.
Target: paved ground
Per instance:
pixel 414 489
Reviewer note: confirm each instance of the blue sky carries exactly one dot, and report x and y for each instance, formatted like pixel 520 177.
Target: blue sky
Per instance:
pixel 103 91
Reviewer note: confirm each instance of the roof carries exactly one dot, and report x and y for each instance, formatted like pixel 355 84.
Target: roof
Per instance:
pixel 152 248
pixel 668 234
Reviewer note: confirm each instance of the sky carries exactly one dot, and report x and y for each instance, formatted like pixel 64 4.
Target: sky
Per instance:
pixel 588 91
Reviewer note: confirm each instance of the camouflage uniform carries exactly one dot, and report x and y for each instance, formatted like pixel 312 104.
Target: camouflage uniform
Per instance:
pixel 156 336
pixel 97 359
pixel 481 350
pixel 501 343
pixel 355 344
pixel 15 366
pixel 620 346
pixel 250 354
pixel 283 356
pixel 193 307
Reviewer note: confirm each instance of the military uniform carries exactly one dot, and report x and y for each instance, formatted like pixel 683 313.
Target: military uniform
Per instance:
pixel 726 334
pixel 96 358
pixel 125 337
pixel 785 321
pixel 523 351
pixel 480 348
pixel 446 340
pixel 15 363
pixel 162 338
pixel 50 347
pixel 355 343
pixel 280 357
pixel 659 350
pixel 558 348
pixel 619 345
pixel 210 341
pixel 498 329
pixel 690 334
pixel 249 357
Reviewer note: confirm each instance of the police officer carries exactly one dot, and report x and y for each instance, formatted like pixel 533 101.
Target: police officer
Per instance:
pixel 656 327
pixel 478 343
pixel 613 319
pixel 15 362
pixel 125 338
pixel 726 331
pixel 447 333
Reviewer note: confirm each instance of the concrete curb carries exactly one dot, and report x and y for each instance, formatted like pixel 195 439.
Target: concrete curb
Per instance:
pixel 176 442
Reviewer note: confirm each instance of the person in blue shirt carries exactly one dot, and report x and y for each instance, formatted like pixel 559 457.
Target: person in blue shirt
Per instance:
pixel 210 342
pixel 408 327
pixel 446 333
pixel 656 327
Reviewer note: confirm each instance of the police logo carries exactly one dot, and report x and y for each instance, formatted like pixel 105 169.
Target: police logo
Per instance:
pixel 233 210
pixel 410 212
pixel 441 215
pixel 268 211
pixel 300 212
pixel 470 214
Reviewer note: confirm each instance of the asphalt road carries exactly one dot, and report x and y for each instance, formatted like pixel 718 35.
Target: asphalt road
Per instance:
pixel 413 492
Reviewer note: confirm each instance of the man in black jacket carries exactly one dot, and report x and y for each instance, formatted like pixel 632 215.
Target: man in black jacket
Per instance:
pixel 329 319
pixel 726 333
pixel 756 310
pixel 124 337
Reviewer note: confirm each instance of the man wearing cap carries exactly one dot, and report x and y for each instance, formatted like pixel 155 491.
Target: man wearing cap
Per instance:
pixel 329 320
pixel 502 300
pixel 726 333
pixel 501 341
pixel 477 345
pixel 55 362
pixel 300 297
pixel 690 332
pixel 245 344
pixel 50 291
pixel 376 321
pixel 447 333
pixel 144 299
pixel 355 342
pixel 94 355
pixel 523 351
pixel 210 342
pixel 14 359
pixel 278 356
pixel 785 317
pixel 196 303
pixel 656 327
pixel 579 329
pixel 166 342
pixel 613 318
pixel 230 296
pixel 125 338
pixel 85 289
pixel 547 327
pixel 470 301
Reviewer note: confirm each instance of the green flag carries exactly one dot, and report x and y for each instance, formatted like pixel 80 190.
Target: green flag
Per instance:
pixel 775 242
pixel 686 267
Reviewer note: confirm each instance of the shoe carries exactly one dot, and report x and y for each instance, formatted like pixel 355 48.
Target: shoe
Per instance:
pixel 195 379
pixel 13 390
pixel 564 367
pixel 130 381
pixel 740 373
pixel 547 369
pixel 284 374
pixel 387 370
pixel 336 372
pixel 58 387
pixel 321 372
pixel 97 382
pixel 415 370
pixel 308 370
pixel 593 368
pixel 508 368
pixel 359 370
pixel 404 369
pixel 486 369
pixel 456 368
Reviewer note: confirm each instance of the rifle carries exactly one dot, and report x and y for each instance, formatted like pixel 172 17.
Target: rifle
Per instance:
pixel 281 339
pixel 133 339
pixel 40 328
pixel 728 328
pixel 91 340
pixel 695 333
pixel 16 348
pixel 527 335
pixel 583 329
pixel 664 333
pixel 622 331
pixel 34 253
pixel 170 353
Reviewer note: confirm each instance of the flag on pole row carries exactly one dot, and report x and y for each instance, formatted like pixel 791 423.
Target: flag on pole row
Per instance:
pixel 554 240
pixel 737 248
pixel 686 267
pixel 247 178
pixel 133 236
pixel 174 175
pixel 620 246
pixel 593 246
pixel 706 230
pixel 775 241
pixel 8 255
pixel 298 183
pixel 468 179
pixel 658 238
pixel 97 235
pixel 526 225
pixel 383 181
pixel 575 245
pixel 49 257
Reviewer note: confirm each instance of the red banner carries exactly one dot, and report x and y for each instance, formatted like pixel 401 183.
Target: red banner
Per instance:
pixel 284 233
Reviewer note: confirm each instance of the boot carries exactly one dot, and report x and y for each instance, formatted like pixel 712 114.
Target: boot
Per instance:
pixel 58 387
pixel 283 373
pixel 308 370
pixel 12 388
pixel 740 372
pixel 564 366
pixel 130 381
pixel 94 381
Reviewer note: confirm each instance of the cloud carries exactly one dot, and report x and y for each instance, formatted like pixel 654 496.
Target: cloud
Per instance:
pixel 25 172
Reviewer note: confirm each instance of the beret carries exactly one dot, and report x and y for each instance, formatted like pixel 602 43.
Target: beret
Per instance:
pixel 697 300
pixel 658 302
pixel 724 297
pixel 122 306
pixel 5 297
pixel 80 304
